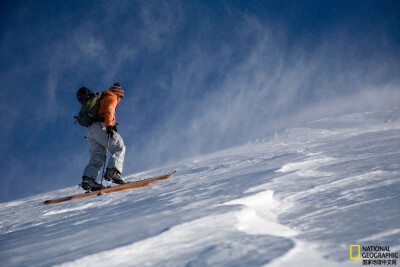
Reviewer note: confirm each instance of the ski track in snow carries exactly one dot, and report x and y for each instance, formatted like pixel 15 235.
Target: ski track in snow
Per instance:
pixel 299 199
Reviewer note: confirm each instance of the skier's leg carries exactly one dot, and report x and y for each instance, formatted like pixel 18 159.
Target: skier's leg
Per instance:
pixel 97 150
pixel 97 153
pixel 117 148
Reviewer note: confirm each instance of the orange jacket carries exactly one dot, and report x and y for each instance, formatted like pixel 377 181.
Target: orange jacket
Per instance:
pixel 108 104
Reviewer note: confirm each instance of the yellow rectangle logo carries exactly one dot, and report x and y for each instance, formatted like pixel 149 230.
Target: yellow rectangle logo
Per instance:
pixel 358 252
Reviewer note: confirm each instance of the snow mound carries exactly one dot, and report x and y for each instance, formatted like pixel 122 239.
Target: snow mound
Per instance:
pixel 257 218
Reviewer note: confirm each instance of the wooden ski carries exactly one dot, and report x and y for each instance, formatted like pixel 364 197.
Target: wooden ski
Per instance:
pixel 117 188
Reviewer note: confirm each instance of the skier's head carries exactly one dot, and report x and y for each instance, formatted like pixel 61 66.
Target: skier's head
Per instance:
pixel 83 94
pixel 116 89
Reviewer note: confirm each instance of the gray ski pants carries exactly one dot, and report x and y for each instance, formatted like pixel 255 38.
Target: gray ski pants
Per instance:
pixel 97 138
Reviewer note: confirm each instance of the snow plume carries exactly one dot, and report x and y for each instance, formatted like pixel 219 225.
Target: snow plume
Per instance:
pixel 224 91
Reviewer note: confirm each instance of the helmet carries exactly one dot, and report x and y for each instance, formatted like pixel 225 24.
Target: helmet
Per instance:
pixel 83 95
pixel 116 89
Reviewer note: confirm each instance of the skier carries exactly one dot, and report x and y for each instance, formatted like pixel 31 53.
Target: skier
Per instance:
pixel 102 136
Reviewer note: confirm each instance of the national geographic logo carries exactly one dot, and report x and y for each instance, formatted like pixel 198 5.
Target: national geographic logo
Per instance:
pixel 373 255
pixel 358 254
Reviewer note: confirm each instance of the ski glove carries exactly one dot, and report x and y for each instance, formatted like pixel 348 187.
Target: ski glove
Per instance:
pixel 111 130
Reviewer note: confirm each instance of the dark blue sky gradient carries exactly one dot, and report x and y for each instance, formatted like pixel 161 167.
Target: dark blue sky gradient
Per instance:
pixel 199 76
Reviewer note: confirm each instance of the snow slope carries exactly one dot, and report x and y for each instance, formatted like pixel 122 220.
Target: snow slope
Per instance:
pixel 299 198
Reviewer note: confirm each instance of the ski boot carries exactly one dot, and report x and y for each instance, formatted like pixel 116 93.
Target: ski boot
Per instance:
pixel 114 176
pixel 89 184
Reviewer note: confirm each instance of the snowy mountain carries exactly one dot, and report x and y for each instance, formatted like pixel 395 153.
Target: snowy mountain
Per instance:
pixel 300 198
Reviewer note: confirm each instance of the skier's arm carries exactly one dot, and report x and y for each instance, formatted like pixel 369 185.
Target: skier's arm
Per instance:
pixel 109 112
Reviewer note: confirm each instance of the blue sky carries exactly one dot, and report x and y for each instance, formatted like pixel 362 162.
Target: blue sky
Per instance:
pixel 198 76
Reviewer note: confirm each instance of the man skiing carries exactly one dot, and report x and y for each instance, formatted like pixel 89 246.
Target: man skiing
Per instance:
pixel 102 137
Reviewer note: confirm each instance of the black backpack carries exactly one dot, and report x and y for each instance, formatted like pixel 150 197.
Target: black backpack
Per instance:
pixel 90 103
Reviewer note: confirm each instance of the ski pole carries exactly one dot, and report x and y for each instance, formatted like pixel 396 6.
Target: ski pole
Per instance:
pixel 105 159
